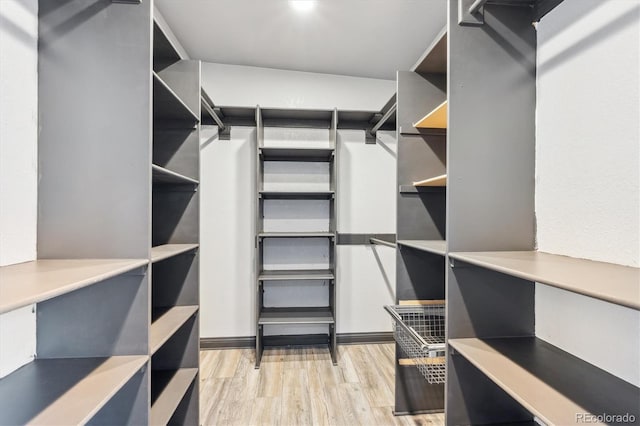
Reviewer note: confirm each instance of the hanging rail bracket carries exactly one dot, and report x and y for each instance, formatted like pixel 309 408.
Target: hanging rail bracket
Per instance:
pixel 371 133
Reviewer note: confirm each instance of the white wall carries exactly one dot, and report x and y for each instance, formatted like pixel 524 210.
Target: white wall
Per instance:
pixel 235 85
pixel 588 171
pixel 18 165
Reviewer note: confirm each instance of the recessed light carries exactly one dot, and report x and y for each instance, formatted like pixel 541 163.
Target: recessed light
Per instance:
pixel 302 6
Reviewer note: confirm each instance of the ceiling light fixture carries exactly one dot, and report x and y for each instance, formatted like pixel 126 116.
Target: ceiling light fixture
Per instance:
pixel 302 6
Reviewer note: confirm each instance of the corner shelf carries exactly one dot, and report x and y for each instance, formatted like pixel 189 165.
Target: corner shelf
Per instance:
pixel 296 154
pixel 439 181
pixel 436 119
pixel 272 316
pixel 40 280
pixel 64 391
pixel 550 383
pixel 291 275
pixel 166 322
pixel 431 246
pixel 166 176
pixel 296 235
pixel 167 390
pixel 168 105
pixel 297 195
pixel 166 251
pixel 605 281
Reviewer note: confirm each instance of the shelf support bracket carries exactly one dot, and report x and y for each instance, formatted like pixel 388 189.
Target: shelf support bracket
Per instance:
pixel 371 133
pixel 471 12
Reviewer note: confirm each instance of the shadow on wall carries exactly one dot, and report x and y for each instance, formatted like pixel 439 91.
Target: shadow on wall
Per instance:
pixel 10 12
pixel 612 27
pixel 385 277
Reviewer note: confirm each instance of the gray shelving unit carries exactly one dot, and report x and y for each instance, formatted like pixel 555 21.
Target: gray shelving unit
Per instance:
pixel 116 282
pixel 295 315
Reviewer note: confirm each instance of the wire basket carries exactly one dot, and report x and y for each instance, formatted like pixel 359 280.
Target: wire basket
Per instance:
pixel 419 331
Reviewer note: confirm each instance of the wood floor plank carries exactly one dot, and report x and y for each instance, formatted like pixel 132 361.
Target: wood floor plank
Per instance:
pixel 302 386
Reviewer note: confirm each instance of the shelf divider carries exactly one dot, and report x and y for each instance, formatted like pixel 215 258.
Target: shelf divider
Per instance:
pixel 40 280
pixel 65 390
pixel 605 281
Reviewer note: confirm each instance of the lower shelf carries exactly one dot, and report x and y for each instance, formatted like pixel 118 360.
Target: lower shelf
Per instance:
pixel 272 316
pixel 64 391
pixel 551 384
pixel 166 322
pixel 287 275
pixel 167 390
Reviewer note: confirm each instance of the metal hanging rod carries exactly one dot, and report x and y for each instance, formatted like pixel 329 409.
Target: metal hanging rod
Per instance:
pixel 208 106
pixel 384 119
pixel 476 5
pixel 382 242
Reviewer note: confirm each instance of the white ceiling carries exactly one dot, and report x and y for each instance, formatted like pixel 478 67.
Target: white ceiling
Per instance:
pixel 363 38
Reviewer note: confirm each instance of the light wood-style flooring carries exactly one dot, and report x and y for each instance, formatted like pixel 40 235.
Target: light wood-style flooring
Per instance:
pixel 302 387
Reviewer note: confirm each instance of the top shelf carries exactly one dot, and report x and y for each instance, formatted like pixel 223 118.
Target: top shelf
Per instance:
pixel 605 281
pixel 436 119
pixel 167 105
pixel 164 52
pixel 296 154
pixel 434 59
pixel 40 280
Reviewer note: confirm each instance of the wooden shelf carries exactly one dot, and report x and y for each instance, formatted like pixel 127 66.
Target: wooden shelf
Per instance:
pixel 550 383
pixel 296 154
pixel 436 119
pixel 167 390
pixel 166 322
pixel 64 391
pixel 296 235
pixel 434 59
pixel 166 251
pixel 290 275
pixel 37 281
pixel 297 195
pixel 606 281
pixel 272 316
pixel 162 175
pixel 167 105
pixel 434 181
pixel 432 246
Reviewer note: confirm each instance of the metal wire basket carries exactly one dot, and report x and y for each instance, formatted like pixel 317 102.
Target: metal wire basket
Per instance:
pixel 419 331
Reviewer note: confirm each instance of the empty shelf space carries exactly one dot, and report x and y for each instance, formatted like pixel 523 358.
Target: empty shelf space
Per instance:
pixel 64 391
pixel 272 316
pixel 434 181
pixel 605 281
pixel 167 390
pixel 166 322
pixel 436 119
pixel 37 281
pixel 296 154
pixel 431 246
pixel 296 235
pixel 434 59
pixel 166 251
pixel 168 105
pixel 550 383
pixel 290 275
pixel 297 195
pixel 162 175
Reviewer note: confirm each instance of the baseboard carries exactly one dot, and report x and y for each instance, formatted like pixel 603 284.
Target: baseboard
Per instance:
pixel 320 339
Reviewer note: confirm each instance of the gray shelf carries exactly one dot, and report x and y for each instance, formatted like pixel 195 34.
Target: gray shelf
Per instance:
pixel 167 390
pixel 290 275
pixel 166 176
pixel 431 246
pixel 297 154
pixel 168 105
pixel 273 316
pixel 434 59
pixel 164 52
pixel 165 322
pixel 551 384
pixel 64 391
pixel 606 281
pixel 297 195
pixel 296 235
pixel 166 251
pixel 40 280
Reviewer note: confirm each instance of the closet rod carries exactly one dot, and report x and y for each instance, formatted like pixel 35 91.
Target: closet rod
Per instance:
pixel 384 119
pixel 476 5
pixel 382 242
pixel 205 103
